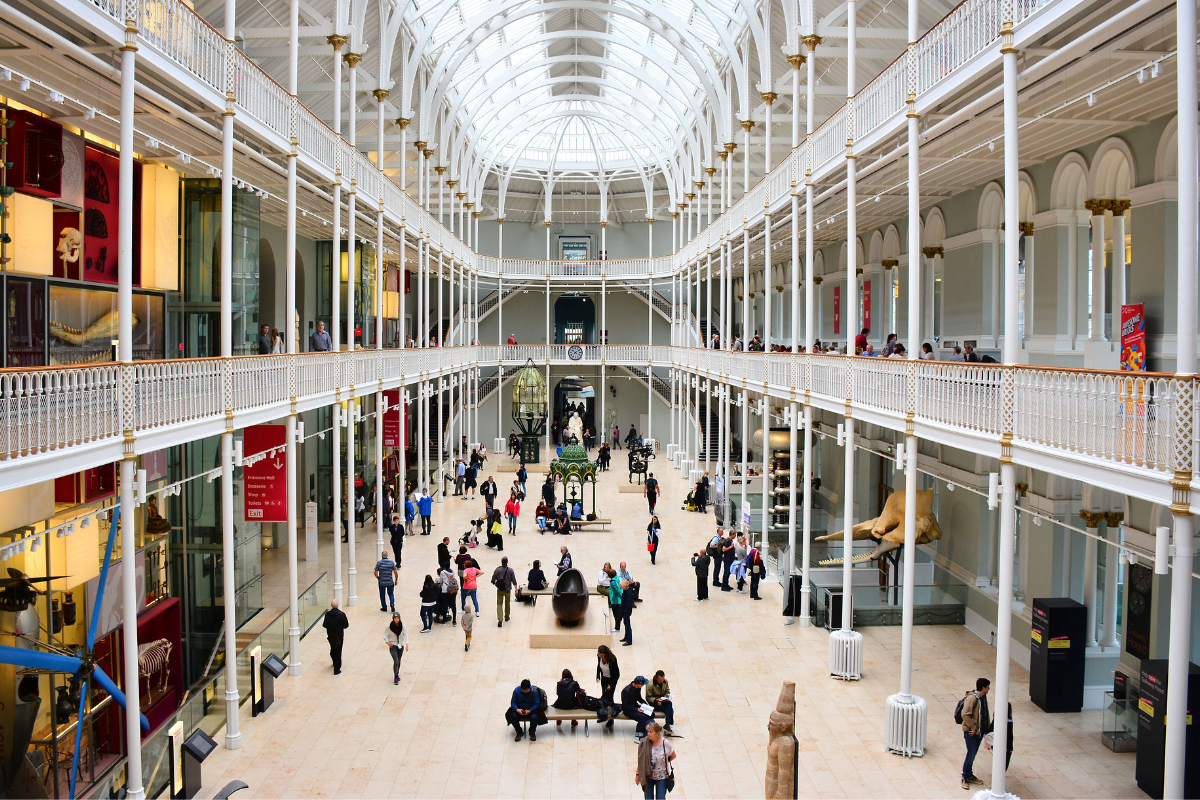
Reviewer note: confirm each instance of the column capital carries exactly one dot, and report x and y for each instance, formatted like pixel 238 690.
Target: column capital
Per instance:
pixel 730 147
pixel 419 146
pixel 710 171
pixel 1097 207
pixel 1114 518
pixel 352 59
pixel 1092 518
pixel 1119 207
pixel 768 98
pixel 381 94
pixel 889 263
pixel 649 220
pixel 699 185
pixel 475 214
pixel 403 122
pixel 797 61
pixel 428 154
pixel 811 41
pixel 747 124
pixel 723 154
pixel 499 220
pixel 450 183
pixel 933 252
pixel 440 171
pixel 337 40
pixel 468 206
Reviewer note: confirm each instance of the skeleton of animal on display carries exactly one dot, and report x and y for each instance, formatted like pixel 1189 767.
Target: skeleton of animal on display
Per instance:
pixel 155 658
pixel 888 528
pixel 103 328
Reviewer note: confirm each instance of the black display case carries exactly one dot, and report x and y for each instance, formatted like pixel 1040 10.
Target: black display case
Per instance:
pixel 1056 654
pixel 1152 730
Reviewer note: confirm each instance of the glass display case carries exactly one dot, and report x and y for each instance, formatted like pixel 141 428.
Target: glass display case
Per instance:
pixel 83 325
pixel 1119 728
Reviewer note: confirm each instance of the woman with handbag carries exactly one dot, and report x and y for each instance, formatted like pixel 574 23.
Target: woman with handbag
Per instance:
pixel 654 772
pixel 608 672
pixel 395 638
pixel 755 566
pixel 652 538
pixel 568 696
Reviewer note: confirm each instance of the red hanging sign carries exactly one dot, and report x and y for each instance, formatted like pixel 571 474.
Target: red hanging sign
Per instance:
pixel 266 478
pixel 837 309
pixel 391 419
pixel 866 304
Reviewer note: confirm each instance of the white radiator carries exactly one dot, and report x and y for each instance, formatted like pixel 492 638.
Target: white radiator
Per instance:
pixel 671 448
pixel 697 474
pixel 905 725
pixel 499 445
pixel 845 655
pixel 685 465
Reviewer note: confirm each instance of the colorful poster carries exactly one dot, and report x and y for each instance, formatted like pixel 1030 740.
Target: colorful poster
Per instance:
pixel 391 418
pixel 837 309
pixel 266 479
pixel 866 304
pixel 1133 337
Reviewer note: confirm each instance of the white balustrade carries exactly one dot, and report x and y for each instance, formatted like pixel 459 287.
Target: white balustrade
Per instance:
pixel 52 409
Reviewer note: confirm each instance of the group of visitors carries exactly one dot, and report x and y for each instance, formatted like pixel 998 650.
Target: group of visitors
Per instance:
pixel 731 556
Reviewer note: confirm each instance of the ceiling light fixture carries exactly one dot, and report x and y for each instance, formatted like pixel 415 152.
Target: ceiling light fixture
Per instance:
pixel 1091 99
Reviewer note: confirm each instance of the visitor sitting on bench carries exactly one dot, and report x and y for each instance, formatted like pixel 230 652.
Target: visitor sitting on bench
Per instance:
pixel 525 706
pixel 568 695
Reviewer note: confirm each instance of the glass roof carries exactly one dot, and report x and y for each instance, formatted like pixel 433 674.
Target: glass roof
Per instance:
pixel 591 85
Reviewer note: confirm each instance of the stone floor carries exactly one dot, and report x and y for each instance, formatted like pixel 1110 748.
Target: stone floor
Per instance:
pixel 441 732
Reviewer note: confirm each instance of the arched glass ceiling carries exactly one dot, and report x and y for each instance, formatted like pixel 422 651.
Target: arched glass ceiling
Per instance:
pixel 597 85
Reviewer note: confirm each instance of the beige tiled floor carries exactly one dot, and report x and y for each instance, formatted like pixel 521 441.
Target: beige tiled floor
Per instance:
pixel 441 732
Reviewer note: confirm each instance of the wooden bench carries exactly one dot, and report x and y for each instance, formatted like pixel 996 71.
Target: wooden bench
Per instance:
pixel 602 524
pixel 575 714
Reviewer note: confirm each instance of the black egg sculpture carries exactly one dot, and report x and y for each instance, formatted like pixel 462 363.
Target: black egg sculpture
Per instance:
pixel 570 599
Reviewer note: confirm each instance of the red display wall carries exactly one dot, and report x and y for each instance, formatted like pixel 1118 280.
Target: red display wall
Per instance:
pixel 101 216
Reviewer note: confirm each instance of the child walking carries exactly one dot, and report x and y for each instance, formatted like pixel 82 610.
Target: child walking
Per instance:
pixel 468 624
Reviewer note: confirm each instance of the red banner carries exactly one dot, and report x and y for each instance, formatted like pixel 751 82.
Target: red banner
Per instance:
pixel 1133 337
pixel 266 479
pixel 866 304
pixel 391 419
pixel 837 309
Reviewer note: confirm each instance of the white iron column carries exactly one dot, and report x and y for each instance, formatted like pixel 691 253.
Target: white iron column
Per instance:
pixel 549 341
pixel 336 322
pixel 125 245
pixel 1010 354
pixel 1181 564
pixel 810 43
pixel 768 281
pixel 352 60
pixel 1118 207
pixel 233 736
pixel 744 413
pixel 289 310
pixel 845 645
pixel 746 126
pixel 649 432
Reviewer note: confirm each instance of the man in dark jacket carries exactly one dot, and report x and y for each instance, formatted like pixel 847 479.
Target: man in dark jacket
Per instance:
pixel 548 491
pixel 443 551
pixel 525 706
pixel 629 597
pixel 396 531
pixel 335 625
pixel 728 554
pixel 489 491
pixel 701 561
pixel 264 340
pixel 631 705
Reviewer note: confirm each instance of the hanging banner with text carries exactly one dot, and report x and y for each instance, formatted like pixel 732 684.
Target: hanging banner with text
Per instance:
pixel 837 309
pixel 1133 337
pixel 266 478
pixel 392 419
pixel 866 304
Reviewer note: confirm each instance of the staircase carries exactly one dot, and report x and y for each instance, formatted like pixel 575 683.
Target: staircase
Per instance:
pixel 661 388
pixel 490 384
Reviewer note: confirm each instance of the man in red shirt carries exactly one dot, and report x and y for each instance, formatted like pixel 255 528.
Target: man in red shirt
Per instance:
pixel 860 341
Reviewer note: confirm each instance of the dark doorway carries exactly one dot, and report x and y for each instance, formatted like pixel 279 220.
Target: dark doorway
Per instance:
pixel 574 320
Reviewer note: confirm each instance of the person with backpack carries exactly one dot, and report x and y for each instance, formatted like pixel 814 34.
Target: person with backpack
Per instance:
pixel 448 595
pixel 972 714
pixel 504 579
pixel 522 476
pixel 714 553
pixel 650 491
pixel 528 705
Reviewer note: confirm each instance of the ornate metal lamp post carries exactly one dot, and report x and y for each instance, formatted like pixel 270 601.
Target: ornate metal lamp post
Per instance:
pixel 529 406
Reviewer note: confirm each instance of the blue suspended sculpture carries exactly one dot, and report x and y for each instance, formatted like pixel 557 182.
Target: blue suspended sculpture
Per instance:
pixel 82 666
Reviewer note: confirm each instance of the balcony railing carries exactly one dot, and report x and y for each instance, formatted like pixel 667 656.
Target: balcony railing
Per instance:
pixel 1136 422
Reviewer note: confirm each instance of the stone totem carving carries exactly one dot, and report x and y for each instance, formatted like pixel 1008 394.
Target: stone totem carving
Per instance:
pixel 781 746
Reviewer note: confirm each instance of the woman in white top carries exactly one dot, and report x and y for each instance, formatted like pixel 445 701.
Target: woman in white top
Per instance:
pixel 276 342
pixel 396 639
pixel 603 580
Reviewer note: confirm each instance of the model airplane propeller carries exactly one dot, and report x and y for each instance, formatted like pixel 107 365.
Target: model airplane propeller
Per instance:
pixel 82 664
